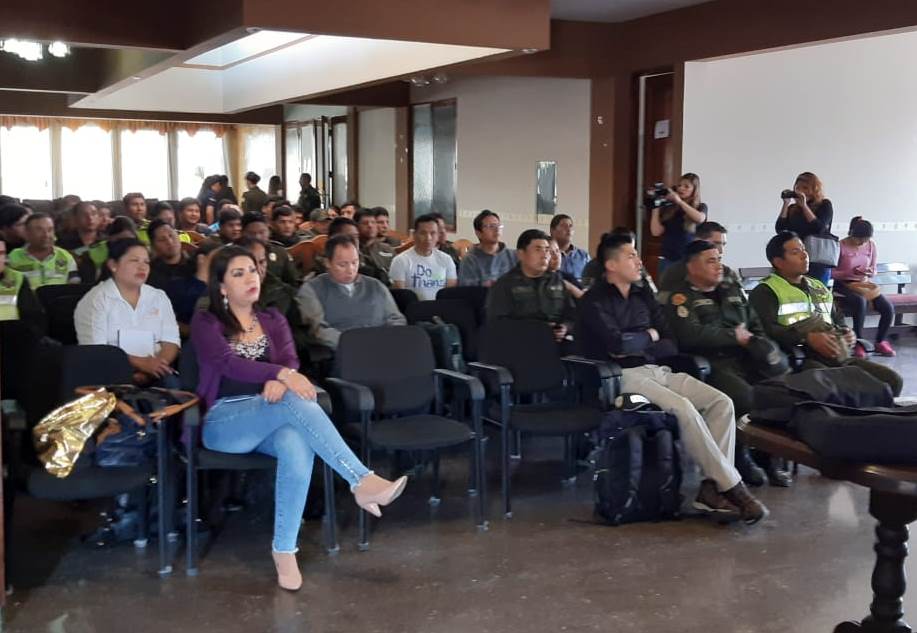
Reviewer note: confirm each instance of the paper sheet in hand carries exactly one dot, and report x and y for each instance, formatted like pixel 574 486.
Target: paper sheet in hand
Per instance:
pixel 137 342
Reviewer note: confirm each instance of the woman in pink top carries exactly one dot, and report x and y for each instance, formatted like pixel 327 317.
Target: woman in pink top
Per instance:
pixel 858 264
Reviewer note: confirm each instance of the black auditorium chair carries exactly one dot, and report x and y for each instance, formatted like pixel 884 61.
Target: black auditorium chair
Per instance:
pixel 64 369
pixel 454 311
pixel 388 393
pixel 538 391
pixel 197 458
pixel 475 296
pixel 59 303
pixel 404 298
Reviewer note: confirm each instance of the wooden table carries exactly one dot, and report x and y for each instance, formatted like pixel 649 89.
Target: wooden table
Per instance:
pixel 892 502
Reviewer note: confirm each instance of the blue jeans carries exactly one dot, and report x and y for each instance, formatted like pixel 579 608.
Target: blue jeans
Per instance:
pixel 293 431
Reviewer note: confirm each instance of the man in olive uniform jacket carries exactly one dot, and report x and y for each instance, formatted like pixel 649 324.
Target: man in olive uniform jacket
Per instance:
pixel 710 315
pixel 529 291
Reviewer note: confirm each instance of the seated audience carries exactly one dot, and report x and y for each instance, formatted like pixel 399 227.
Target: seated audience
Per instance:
pixel 17 301
pixel 103 209
pixel 12 224
pixel 170 261
pixel 279 262
pixel 443 243
pixel 573 259
pixel 675 274
pixel 185 293
pixel 375 252
pixel 248 367
pixel 382 223
pixel 676 220
pixel 346 226
pixel 189 217
pixel 272 203
pixel 799 310
pixel 135 208
pixel 230 225
pixel 621 321
pixel 806 211
pixel 342 299
pixel 571 283
pixel 488 260
pixel 43 263
pixel 309 197
pixel 854 289
pixel 162 210
pixel 423 268
pixel 254 198
pixel 710 315
pixel 320 221
pixel 283 227
pixel 349 209
pixel 124 311
pixel 530 291
pixel 85 231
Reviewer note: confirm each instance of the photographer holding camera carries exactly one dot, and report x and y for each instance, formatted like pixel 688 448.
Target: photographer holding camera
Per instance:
pixel 674 216
pixel 807 212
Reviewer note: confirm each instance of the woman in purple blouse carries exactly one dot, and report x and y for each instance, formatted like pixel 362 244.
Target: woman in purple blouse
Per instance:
pixel 258 401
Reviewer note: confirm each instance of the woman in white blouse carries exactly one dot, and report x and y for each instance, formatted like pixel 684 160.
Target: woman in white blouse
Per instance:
pixel 124 311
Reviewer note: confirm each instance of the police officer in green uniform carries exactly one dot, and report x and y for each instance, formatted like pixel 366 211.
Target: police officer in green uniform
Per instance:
pixel 17 301
pixel 43 263
pixel 373 250
pixel 711 316
pixel 675 274
pixel 279 262
pixel 529 291
pixel 797 310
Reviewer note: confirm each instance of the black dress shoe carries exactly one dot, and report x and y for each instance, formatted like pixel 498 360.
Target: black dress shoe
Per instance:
pixel 779 477
pixel 752 474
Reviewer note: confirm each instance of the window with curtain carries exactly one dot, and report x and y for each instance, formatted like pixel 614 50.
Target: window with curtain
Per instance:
pixel 25 162
pixel 145 163
pixel 259 152
pixel 86 158
pixel 434 159
pixel 199 155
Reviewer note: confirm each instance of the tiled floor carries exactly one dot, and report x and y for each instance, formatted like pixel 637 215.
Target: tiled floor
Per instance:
pixel 547 569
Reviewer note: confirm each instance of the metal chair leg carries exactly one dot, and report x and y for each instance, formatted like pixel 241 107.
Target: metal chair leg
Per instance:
pixel 505 432
pixel 330 518
pixel 435 498
pixel 143 517
pixel 363 519
pixel 162 486
pixel 191 510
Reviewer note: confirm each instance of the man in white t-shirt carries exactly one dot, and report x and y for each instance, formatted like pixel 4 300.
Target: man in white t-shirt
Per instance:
pixel 424 269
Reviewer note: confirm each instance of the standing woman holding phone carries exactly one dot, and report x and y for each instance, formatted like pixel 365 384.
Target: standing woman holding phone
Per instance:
pixel 807 212
pixel 676 220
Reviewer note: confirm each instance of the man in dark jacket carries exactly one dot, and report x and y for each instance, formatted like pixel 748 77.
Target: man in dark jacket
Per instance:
pixel 622 321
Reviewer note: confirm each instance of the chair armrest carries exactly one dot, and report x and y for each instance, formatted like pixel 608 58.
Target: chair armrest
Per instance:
pixel 697 366
pixel 502 374
pixel 475 388
pixel 356 397
pixel 609 374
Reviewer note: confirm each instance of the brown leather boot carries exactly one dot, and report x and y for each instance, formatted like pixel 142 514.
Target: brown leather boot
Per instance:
pixel 288 576
pixel 374 491
pixel 750 509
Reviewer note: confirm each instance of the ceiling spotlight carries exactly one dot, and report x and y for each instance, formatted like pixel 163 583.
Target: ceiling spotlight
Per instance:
pixel 26 49
pixel 419 81
pixel 58 49
pixel 440 78
pixel 529 51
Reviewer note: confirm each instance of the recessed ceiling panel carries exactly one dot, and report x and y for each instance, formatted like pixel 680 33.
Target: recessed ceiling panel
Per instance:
pixel 245 48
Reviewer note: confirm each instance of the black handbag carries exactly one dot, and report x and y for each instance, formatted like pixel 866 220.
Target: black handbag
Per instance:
pixel 123 441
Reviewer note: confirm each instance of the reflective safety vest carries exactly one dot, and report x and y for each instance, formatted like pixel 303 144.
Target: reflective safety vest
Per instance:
pixel 10 285
pixel 53 270
pixel 794 305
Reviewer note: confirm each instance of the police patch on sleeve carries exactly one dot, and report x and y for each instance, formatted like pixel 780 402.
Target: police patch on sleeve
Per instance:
pixel 681 311
pixel 678 299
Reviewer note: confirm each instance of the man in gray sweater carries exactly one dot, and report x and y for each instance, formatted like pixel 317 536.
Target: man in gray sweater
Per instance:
pixel 489 259
pixel 343 299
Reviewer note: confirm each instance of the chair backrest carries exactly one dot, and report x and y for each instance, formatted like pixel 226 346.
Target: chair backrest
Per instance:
pixel 452 311
pixel 527 349
pixel 47 295
pixel 475 296
pixel 188 367
pixel 753 275
pixel 404 298
pixel 196 238
pixel 396 363
pixel 893 274
pixel 405 245
pixel 61 326
pixel 462 247
pixel 304 253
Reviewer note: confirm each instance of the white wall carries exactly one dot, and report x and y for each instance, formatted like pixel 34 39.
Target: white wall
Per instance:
pixel 505 126
pixel 376 158
pixel 845 111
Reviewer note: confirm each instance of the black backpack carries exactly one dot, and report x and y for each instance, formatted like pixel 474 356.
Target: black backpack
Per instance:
pixel 447 344
pixel 637 467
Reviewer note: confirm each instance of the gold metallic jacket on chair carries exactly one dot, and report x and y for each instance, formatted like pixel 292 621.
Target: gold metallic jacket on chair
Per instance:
pixel 60 436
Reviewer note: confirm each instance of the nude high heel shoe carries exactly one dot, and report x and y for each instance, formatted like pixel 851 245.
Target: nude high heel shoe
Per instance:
pixel 288 575
pixel 374 491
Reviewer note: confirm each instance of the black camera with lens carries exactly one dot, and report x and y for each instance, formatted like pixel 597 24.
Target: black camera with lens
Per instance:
pixel 656 197
pixel 789 194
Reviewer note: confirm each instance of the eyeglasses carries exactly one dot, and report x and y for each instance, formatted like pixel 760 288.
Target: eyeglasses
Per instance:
pixel 491 227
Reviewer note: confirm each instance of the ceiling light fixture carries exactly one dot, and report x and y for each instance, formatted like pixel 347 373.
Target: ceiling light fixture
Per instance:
pixel 26 49
pixel 58 49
